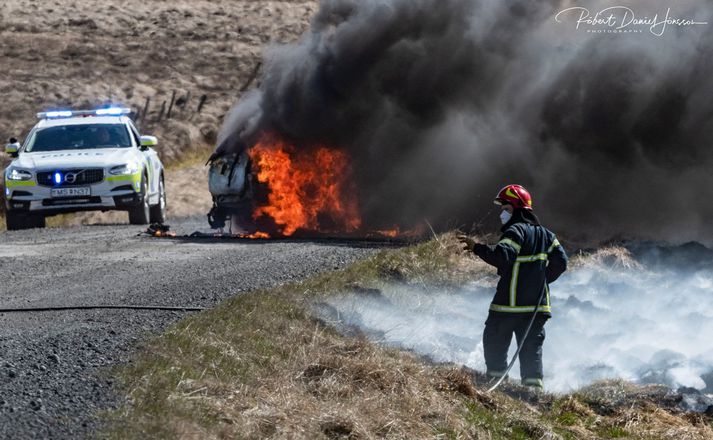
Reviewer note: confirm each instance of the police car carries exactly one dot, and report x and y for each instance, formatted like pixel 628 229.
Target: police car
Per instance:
pixel 85 160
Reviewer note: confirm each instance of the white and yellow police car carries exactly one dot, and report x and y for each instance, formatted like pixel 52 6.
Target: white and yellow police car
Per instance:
pixel 84 160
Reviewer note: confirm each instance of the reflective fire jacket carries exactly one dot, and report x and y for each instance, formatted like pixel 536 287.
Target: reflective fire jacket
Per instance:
pixel 528 258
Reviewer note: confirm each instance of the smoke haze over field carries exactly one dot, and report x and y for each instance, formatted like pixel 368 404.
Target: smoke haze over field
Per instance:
pixel 441 102
pixel 613 317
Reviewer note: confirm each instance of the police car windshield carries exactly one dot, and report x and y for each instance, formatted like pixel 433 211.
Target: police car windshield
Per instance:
pixel 79 137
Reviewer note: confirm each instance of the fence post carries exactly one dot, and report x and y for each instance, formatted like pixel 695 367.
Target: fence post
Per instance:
pixel 170 106
pixel 146 109
pixel 163 110
pixel 201 102
pixel 186 100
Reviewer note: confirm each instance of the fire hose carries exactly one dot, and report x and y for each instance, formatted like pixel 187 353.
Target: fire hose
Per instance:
pixel 124 307
pixel 520 345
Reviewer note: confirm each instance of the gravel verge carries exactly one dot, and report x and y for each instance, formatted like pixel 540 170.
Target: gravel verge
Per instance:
pixel 55 375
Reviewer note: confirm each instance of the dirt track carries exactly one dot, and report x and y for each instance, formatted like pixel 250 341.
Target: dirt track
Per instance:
pixel 54 374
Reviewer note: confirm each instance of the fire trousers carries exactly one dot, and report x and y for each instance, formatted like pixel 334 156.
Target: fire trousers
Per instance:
pixel 499 328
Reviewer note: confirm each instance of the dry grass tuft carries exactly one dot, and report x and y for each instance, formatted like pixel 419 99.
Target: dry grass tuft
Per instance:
pixel 273 372
pixel 461 382
pixel 440 262
pixel 614 257
pixel 624 409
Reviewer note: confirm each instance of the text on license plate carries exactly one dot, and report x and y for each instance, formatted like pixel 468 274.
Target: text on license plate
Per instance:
pixel 70 192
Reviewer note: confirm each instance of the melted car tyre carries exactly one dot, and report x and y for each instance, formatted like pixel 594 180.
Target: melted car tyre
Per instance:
pixel 140 215
pixel 158 211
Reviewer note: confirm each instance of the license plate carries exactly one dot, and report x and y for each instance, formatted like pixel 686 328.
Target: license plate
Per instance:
pixel 71 192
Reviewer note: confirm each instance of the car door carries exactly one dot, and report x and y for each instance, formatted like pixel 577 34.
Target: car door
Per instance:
pixel 153 163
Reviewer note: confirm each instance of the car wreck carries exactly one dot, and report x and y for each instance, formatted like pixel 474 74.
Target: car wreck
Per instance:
pixel 231 185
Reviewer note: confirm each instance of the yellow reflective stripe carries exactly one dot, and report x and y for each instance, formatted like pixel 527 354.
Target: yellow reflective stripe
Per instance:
pixel 513 283
pixel 515 270
pixel 555 244
pixel 136 177
pixel 547 293
pixel 513 307
pixel 511 243
pixel 15 183
pixel 531 258
pixel 533 383
pixel 519 309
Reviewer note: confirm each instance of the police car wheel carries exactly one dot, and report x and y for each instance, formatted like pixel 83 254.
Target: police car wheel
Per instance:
pixel 140 215
pixel 158 211
pixel 15 221
pixel 38 221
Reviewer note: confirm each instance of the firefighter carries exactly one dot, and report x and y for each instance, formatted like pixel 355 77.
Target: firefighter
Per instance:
pixel 528 258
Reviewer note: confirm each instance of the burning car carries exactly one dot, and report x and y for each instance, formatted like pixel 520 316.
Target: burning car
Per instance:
pixel 230 181
pixel 273 189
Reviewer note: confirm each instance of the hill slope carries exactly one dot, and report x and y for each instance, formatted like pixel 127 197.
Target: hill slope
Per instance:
pixel 85 53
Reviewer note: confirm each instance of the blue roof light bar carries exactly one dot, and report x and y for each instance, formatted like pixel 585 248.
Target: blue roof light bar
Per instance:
pixel 58 114
pixel 111 111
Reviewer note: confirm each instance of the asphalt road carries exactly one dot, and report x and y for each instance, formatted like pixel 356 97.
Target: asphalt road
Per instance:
pixel 55 367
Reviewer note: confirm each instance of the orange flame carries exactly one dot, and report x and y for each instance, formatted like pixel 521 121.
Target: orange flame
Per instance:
pixel 396 232
pixel 311 190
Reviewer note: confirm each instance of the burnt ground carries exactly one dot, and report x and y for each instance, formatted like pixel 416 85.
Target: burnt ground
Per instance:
pixel 55 367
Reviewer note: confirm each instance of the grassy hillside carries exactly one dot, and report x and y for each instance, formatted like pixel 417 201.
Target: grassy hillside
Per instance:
pixel 262 366
pixel 84 53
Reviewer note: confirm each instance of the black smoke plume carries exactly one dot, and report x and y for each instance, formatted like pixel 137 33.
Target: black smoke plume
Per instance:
pixel 442 102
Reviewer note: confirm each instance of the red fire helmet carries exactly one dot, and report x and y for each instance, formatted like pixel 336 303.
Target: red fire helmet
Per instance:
pixel 514 195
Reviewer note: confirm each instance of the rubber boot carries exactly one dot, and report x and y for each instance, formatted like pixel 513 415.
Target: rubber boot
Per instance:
pixel 533 384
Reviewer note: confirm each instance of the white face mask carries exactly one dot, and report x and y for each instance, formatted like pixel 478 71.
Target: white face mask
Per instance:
pixel 505 216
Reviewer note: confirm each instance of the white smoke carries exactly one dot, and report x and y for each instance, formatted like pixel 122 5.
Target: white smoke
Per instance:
pixel 648 322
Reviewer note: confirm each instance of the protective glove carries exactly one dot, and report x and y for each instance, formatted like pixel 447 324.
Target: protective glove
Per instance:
pixel 467 242
pixel 480 249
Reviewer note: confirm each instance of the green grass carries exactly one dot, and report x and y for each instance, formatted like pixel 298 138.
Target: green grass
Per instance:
pixel 564 433
pixel 613 432
pixel 567 419
pixel 498 426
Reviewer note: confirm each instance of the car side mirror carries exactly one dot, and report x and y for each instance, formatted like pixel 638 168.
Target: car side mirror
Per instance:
pixel 12 148
pixel 148 141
